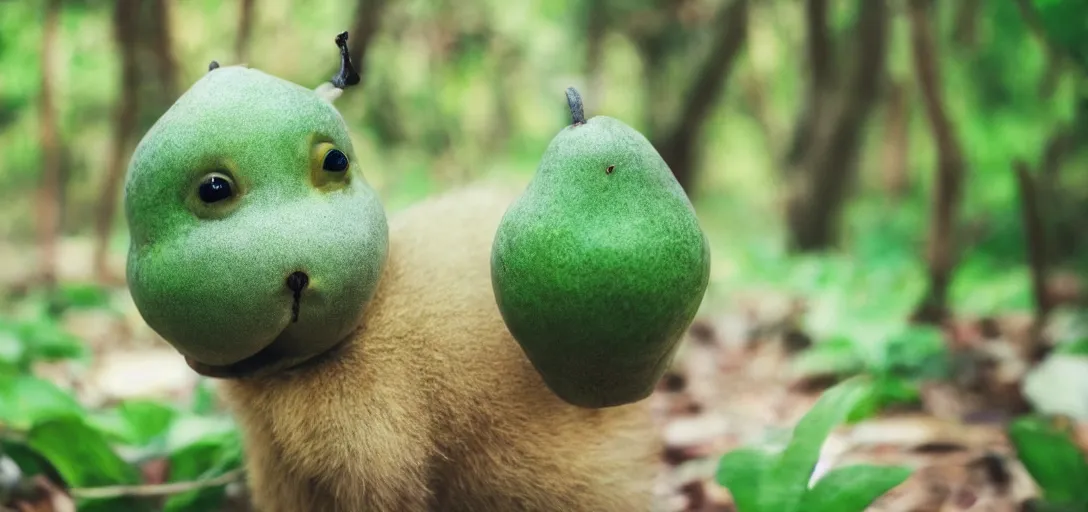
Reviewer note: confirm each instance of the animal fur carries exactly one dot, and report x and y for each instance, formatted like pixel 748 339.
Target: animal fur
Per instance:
pixel 432 406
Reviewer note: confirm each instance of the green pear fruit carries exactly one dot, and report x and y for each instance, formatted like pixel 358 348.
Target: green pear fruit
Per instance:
pixel 599 267
pixel 256 242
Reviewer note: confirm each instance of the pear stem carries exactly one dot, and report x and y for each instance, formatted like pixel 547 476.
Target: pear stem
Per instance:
pixel 347 76
pixel 213 66
pixel 577 111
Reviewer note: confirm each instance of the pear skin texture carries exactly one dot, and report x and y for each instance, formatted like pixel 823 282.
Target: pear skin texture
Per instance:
pixel 600 265
pixel 210 278
pixel 432 405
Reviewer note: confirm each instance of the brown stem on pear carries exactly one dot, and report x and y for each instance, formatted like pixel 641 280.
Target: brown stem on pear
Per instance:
pixel 347 76
pixel 577 112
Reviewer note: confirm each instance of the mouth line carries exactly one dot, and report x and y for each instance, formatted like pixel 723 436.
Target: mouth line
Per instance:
pixel 269 359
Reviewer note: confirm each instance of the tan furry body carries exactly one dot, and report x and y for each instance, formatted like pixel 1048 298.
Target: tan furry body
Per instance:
pixel 434 407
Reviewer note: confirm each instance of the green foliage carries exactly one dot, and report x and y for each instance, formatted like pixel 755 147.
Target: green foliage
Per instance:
pixel 1048 451
pixel 46 431
pixel 898 361
pixel 1065 23
pixel 765 481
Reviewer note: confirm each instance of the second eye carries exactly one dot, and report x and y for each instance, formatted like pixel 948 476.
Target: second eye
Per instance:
pixel 335 161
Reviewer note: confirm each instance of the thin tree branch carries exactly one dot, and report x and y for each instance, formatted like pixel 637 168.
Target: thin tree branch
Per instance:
pixel 950 164
pixel 148 491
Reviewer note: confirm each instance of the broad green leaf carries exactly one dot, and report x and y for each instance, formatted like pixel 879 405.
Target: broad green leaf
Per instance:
pixel 47 341
pixel 838 355
pixel 189 429
pixel 83 458
pixel 208 457
pixel 80 453
pixel 886 390
pixel 29 462
pixel 1052 457
pixel 793 470
pixel 852 488
pixel 148 421
pixel 917 352
pixel 82 296
pixel 743 471
pixel 26 400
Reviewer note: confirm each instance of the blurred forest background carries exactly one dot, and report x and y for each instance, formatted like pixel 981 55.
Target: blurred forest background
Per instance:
pixel 865 170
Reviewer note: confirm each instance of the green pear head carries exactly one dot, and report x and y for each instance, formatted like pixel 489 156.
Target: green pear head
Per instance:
pixel 256 242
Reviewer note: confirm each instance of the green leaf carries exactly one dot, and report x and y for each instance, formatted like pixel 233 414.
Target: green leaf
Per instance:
pixel 743 471
pixel 793 471
pixel 917 352
pixel 26 400
pixel 206 457
pixel 1074 348
pixel 838 355
pixel 80 453
pixel 46 341
pixel 12 349
pixel 29 461
pixel 1065 23
pixel 82 296
pixel 203 397
pixel 1052 457
pixel 852 488
pixel 147 421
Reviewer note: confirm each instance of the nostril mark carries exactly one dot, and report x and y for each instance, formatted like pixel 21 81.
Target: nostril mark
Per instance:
pixel 296 282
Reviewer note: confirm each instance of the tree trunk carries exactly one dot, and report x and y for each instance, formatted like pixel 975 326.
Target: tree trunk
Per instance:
pixel 49 192
pixel 966 24
pixel 950 166
pixel 125 111
pixel 245 31
pixel 1035 240
pixel 155 36
pixel 368 15
pixel 820 84
pixel 679 147
pixel 596 30
pixel 896 141
pixel 817 191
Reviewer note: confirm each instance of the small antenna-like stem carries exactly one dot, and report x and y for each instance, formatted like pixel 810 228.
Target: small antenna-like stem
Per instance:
pixel 347 76
pixel 577 111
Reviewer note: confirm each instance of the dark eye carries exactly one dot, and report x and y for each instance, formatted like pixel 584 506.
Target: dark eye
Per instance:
pixel 214 188
pixel 335 161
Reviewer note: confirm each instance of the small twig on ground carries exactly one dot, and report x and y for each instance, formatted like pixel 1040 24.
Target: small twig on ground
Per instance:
pixel 166 489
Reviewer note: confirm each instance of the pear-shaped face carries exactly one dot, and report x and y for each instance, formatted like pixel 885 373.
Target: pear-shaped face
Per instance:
pixel 256 242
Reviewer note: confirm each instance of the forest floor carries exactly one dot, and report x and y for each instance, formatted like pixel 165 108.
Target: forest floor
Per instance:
pixel 733 383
